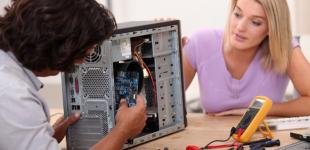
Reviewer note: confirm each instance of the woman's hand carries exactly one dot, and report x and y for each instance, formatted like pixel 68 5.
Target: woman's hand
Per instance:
pixel 184 41
pixel 61 126
pixel 232 112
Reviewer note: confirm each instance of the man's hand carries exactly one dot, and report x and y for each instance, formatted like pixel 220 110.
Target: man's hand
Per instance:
pixel 131 120
pixel 61 126
pixel 232 112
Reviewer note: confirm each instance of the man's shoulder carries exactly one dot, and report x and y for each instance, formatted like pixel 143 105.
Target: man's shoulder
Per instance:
pixel 14 86
pixel 10 75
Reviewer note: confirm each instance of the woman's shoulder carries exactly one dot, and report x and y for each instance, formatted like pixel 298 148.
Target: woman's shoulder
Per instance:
pixel 204 43
pixel 207 38
pixel 208 33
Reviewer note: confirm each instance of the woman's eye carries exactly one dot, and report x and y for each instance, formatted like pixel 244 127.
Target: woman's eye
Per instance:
pixel 237 15
pixel 256 23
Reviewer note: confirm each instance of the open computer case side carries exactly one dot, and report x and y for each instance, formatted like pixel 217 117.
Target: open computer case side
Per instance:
pixel 141 25
pixel 141 57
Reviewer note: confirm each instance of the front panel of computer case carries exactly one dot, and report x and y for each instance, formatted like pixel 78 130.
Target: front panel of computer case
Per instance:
pixel 140 58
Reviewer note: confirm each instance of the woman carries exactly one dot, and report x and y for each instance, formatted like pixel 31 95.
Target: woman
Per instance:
pixel 255 55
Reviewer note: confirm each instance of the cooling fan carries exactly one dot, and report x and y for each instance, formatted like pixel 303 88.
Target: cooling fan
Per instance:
pixel 94 56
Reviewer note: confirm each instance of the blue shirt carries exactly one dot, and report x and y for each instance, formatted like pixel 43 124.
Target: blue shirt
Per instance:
pixel 24 115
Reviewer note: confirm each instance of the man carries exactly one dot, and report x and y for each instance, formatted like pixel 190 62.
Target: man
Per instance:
pixel 40 38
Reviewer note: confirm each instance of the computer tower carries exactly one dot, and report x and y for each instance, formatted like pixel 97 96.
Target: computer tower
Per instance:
pixel 140 58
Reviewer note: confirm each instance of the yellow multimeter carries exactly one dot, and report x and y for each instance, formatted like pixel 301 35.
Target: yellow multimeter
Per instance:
pixel 253 117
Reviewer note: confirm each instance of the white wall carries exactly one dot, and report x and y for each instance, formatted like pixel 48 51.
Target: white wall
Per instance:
pixel 193 14
pixel 2 4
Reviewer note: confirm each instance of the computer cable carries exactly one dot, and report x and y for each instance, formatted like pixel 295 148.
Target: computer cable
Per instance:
pixel 208 146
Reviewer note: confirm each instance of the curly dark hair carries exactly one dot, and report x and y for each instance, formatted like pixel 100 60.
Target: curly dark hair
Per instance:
pixel 52 34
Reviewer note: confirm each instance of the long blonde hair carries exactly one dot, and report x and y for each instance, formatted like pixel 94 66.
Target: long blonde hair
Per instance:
pixel 278 43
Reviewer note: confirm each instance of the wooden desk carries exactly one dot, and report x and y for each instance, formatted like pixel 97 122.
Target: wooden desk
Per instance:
pixel 201 130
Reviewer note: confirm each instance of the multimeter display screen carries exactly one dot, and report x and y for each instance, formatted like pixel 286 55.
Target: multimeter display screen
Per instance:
pixel 257 103
pixel 250 114
pixel 247 118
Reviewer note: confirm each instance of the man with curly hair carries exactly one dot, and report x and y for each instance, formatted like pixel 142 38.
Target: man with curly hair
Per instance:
pixel 41 38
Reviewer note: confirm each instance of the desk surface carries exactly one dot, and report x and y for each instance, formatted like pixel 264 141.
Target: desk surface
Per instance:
pixel 201 130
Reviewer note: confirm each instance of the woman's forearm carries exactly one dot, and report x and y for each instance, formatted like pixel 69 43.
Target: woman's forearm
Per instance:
pixel 291 108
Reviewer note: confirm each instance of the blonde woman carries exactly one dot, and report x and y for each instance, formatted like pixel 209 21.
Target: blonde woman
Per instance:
pixel 254 55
